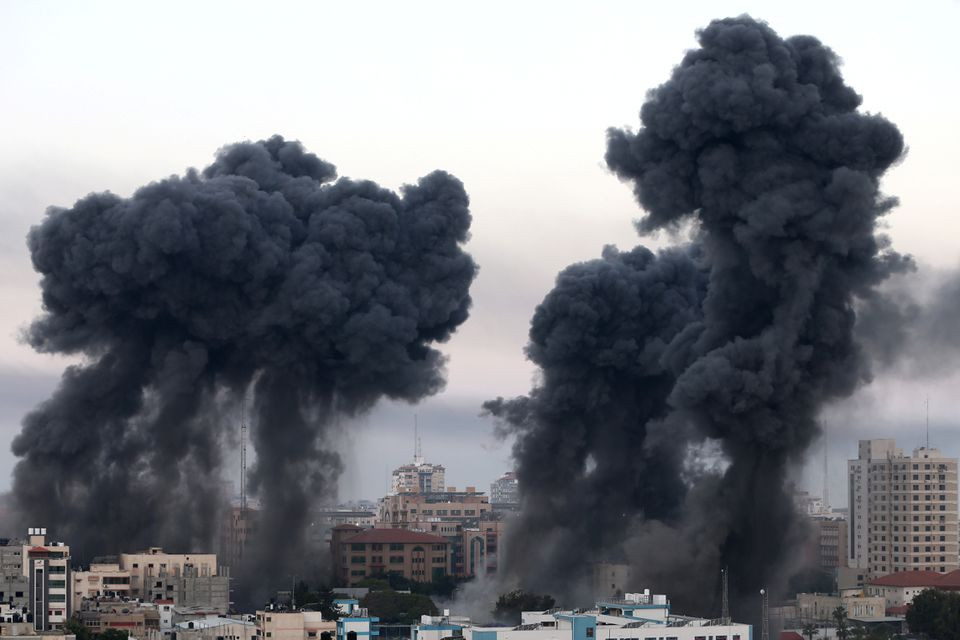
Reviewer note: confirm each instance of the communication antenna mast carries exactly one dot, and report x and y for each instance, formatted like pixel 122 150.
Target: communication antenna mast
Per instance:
pixel 765 615
pixel 928 421
pixel 826 473
pixel 417 451
pixel 725 607
pixel 243 456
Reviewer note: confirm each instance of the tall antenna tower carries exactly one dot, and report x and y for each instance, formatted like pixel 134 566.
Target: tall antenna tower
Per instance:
pixel 725 606
pixel 826 473
pixel 243 456
pixel 928 421
pixel 765 616
pixel 417 450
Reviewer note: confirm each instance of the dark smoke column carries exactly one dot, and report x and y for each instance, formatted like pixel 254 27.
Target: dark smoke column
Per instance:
pixel 758 142
pixel 260 272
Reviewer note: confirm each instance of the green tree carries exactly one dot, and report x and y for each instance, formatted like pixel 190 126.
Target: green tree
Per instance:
pixel 935 614
pixel 74 626
pixel 398 608
pixel 510 605
pixel 858 632
pixel 810 630
pixel 843 625
pixel 113 634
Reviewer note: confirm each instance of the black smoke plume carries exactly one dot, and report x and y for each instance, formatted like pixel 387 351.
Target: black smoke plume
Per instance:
pixel 735 341
pixel 263 276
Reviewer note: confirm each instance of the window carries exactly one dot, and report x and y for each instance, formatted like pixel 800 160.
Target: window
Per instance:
pixel 358 560
pixel 357 546
pixel 396 559
pixel 589 632
pixel 396 547
pixel 358 572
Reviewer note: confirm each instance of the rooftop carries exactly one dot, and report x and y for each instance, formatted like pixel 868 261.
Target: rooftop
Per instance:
pixel 919 579
pixel 401 536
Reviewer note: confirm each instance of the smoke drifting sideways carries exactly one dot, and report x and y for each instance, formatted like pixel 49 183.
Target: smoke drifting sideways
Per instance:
pixel 260 276
pixel 734 341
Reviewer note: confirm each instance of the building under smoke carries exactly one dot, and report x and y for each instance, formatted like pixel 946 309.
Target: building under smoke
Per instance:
pixel 678 388
pixel 260 277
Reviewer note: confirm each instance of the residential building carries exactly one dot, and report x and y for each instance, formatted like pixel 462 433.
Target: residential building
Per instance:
pixel 328 518
pixel 104 578
pixel 293 625
pixel 189 589
pixel 238 528
pixel 829 541
pixel 611 579
pixel 504 490
pixel 820 607
pixel 148 566
pixel 141 622
pixel 356 625
pixel 413 554
pixel 216 628
pixel 636 615
pixel 903 510
pixel 25 631
pixel 419 477
pixel 899 589
pixel 13 581
pixel 46 566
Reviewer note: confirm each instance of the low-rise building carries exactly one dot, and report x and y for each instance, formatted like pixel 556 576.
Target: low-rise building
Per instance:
pixel 813 607
pixel 899 589
pixel 104 578
pixel 611 579
pixel 187 588
pixel 215 628
pixel 25 631
pixel 637 615
pixel 414 555
pixel 139 621
pixel 293 625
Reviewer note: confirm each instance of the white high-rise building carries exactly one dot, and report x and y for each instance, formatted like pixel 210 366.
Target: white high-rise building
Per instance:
pixel 903 510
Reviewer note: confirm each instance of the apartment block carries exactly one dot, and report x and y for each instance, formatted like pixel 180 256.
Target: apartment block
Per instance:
pixel 419 477
pixel 294 625
pixel 903 510
pixel 47 569
pixel 417 556
pixel 830 541
pixel 505 489
pixel 147 566
pixel 13 582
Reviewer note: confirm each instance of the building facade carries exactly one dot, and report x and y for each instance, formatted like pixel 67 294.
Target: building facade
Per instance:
pixel 13 581
pixel 903 510
pixel 830 541
pixel 505 489
pixel 414 555
pixel 899 589
pixel 294 625
pixel 147 567
pixel 46 566
pixel 419 477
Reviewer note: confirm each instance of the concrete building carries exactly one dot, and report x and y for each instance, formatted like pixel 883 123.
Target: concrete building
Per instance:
pixel 812 607
pixel 419 477
pixel 829 539
pixel 899 589
pixel 189 589
pixel 611 579
pixel 636 616
pixel 504 490
pixel 104 578
pixel 329 518
pixel 215 628
pixel 25 631
pixel 903 510
pixel 357 625
pixel 238 528
pixel 46 565
pixel 147 566
pixel 293 625
pixel 139 621
pixel 13 582
pixel 414 555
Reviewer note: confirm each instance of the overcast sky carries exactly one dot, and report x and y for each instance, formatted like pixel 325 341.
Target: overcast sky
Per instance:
pixel 513 98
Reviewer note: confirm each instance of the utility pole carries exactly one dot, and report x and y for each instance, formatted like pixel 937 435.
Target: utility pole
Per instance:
pixel 765 613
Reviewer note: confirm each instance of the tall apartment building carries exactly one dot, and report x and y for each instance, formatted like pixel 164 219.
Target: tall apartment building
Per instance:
pixel 419 477
pixel 503 490
pixel 47 569
pixel 830 541
pixel 903 510
pixel 415 555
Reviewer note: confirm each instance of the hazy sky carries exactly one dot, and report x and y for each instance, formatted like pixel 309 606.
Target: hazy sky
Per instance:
pixel 513 98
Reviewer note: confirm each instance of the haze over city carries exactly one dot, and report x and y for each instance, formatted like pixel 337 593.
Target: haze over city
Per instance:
pixel 413 231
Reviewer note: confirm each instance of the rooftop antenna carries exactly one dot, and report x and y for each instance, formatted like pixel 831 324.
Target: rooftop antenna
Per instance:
pixel 725 607
pixel 765 613
pixel 417 451
pixel 928 421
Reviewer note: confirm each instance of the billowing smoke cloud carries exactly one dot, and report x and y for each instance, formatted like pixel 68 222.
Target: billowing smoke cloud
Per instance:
pixel 260 276
pixel 738 339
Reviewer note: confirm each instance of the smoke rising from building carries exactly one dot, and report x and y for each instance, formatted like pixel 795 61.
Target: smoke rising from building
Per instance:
pixel 736 340
pixel 260 275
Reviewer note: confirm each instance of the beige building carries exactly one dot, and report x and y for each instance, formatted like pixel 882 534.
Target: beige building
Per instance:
pixel 819 606
pixel 25 631
pixel 414 555
pixel 611 579
pixel 903 510
pixel 216 628
pixel 296 625
pixel 145 567
pixel 419 477
pixel 899 589
pixel 829 539
pixel 47 568
pixel 237 531
pixel 102 579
